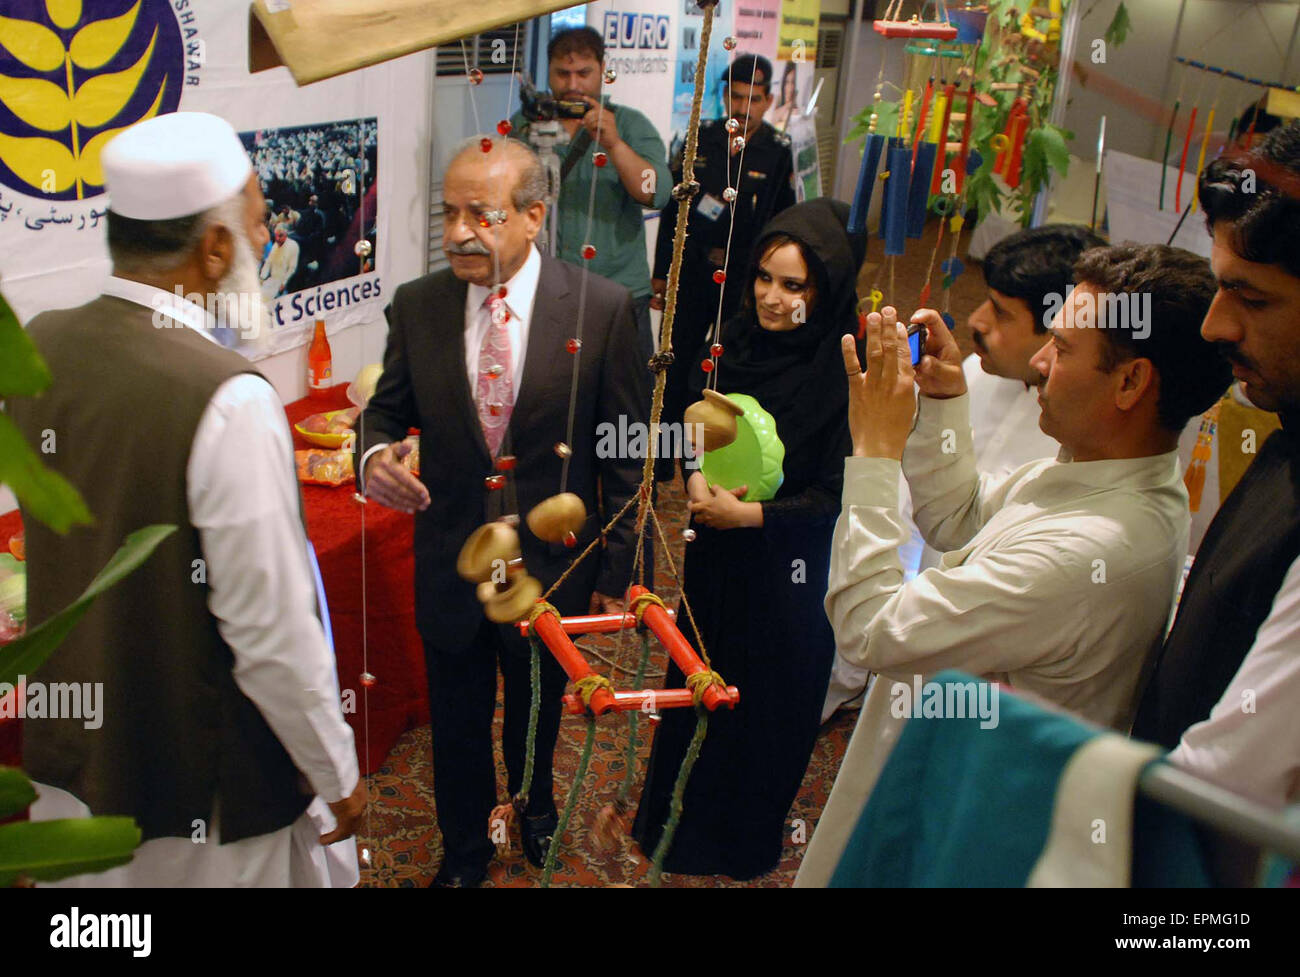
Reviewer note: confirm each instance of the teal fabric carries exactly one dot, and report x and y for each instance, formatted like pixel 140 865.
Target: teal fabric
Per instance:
pixel 618 222
pixel 957 805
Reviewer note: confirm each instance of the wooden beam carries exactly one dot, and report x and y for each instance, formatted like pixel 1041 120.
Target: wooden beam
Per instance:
pixel 319 39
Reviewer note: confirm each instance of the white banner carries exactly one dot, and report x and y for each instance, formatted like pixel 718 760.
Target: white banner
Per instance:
pixel 72 75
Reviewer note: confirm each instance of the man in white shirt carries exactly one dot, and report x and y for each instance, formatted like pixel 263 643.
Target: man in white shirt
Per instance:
pixel 1226 691
pixel 221 714
pixel 1056 579
pixel 280 263
pixel 1008 328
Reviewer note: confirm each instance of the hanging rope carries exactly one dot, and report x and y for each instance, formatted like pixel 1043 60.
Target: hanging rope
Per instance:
pixel 675 268
pixel 562 825
pixel 633 729
pixel 679 790
pixel 534 709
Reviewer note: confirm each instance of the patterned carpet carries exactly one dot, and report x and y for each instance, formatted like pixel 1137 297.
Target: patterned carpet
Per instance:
pixel 401 828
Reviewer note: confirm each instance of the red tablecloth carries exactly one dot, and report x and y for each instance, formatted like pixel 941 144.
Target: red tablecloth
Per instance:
pixel 398 700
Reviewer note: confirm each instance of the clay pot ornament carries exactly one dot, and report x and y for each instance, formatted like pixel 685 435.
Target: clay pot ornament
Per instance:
pixel 715 416
pixel 485 546
pixel 559 516
pixel 512 601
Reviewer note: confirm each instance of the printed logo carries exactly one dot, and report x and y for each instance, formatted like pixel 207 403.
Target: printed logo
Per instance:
pixel 73 75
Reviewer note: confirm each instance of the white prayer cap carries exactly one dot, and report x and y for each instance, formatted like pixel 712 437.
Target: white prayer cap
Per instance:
pixel 174 165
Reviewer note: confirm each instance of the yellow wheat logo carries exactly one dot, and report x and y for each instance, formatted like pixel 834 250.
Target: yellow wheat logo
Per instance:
pixel 55 104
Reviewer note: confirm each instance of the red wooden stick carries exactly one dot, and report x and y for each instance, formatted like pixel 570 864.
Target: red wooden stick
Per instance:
pixel 575 666
pixel 592 623
pixel 658 621
pixel 646 700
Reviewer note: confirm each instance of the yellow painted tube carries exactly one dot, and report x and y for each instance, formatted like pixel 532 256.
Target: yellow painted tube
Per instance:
pixel 905 119
pixel 936 120
pixel 1200 159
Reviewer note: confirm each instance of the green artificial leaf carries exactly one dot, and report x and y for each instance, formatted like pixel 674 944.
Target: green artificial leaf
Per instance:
pixel 50 850
pixel 1055 152
pixel 44 493
pixel 1119 27
pixel 22 371
pixel 16 791
pixel 24 655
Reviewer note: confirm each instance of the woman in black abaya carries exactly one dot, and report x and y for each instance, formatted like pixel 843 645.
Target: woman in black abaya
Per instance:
pixel 756 573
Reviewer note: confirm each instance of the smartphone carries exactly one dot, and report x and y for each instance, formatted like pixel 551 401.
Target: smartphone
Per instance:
pixel 916 333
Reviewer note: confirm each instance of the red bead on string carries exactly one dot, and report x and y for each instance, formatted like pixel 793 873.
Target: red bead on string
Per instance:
pixel 573 345
pixel 494 482
pixel 506 463
pixel 570 540
pixel 485 144
pixel 719 276
pixel 368 680
pixel 504 127
pixel 589 251
pixel 706 366
pixel 715 350
pixel 600 159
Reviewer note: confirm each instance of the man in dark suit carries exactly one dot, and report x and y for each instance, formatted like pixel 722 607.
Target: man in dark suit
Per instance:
pixel 488 384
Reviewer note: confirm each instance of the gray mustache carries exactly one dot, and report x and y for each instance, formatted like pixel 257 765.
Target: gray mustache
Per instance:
pixel 472 248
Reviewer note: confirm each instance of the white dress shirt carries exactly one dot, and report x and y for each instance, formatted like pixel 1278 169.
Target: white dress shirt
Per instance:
pixel 521 295
pixel 1004 425
pixel 244 501
pixel 1250 743
pixel 1056 579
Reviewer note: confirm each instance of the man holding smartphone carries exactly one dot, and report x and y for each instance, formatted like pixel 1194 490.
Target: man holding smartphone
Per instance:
pixel 1021 271
pixel 1065 569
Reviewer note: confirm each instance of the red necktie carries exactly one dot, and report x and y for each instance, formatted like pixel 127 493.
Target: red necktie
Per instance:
pixel 495 393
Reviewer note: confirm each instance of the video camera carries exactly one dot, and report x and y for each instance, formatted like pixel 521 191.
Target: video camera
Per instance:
pixel 545 107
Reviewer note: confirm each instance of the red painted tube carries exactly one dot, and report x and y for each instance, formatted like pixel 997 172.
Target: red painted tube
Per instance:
pixel 942 162
pixel 683 655
pixel 647 700
pixel 1182 162
pixel 592 623
pixel 920 122
pixel 960 165
pixel 1002 164
pixel 575 666
pixel 1017 149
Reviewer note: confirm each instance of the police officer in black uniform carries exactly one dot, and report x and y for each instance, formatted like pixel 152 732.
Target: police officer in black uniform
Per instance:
pixel 765 188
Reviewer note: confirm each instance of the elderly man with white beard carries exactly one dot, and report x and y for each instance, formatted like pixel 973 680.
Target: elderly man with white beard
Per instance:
pixel 221 733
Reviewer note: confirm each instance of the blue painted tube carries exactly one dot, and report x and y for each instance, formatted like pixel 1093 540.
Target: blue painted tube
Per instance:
pixel 866 183
pixel 919 192
pixel 896 187
pixel 890 144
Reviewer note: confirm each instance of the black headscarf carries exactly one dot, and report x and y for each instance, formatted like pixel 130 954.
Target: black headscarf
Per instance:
pixel 798 375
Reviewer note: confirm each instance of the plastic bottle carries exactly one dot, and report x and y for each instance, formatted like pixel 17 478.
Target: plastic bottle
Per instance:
pixel 320 363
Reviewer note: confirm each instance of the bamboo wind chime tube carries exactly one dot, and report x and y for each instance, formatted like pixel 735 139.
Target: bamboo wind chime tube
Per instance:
pixel 919 190
pixel 866 182
pixel 920 122
pixel 893 218
pixel 959 165
pixel 941 138
pixel 1182 161
pixel 1200 158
